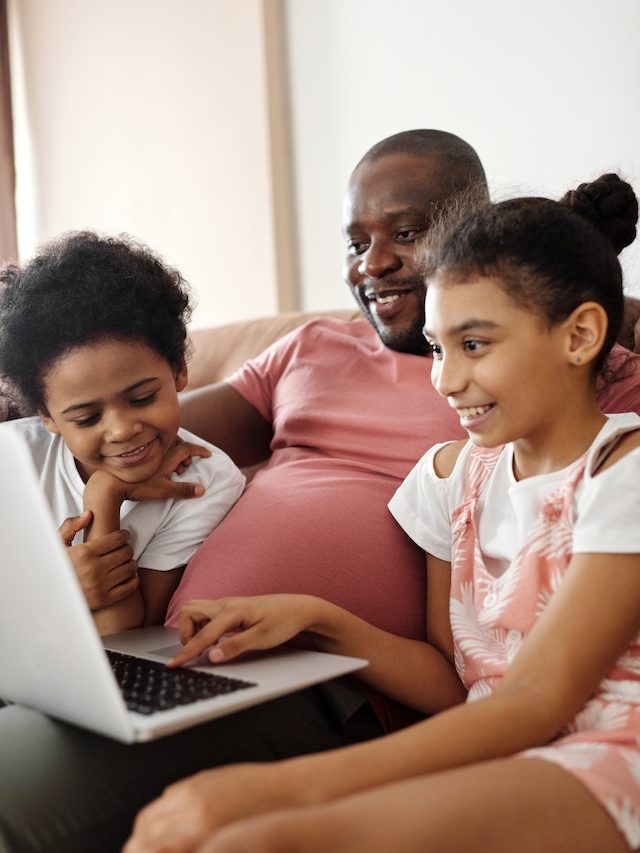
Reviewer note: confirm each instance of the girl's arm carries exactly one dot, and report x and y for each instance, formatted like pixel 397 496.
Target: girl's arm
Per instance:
pixel 587 626
pixel 411 671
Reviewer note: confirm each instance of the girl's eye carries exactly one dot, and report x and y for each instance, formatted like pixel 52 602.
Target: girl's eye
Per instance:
pixel 144 401
pixel 434 349
pixel 473 345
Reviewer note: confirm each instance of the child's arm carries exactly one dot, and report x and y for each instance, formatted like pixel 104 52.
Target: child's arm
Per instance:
pixel 415 673
pixel 103 497
pixel 586 627
pixel 588 624
pixel 105 567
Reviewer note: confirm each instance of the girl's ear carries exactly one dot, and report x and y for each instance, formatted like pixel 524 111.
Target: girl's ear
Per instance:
pixel 48 421
pixel 181 377
pixel 587 328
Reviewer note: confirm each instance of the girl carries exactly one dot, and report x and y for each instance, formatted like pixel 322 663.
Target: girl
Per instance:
pixel 93 336
pixel 533 582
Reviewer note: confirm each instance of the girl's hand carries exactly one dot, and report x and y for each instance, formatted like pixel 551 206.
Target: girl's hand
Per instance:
pixel 105 566
pixel 230 626
pixel 191 810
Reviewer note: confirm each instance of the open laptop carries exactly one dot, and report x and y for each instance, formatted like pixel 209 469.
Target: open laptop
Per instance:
pixel 52 658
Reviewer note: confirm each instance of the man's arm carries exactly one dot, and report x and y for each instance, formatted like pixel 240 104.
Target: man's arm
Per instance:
pixel 220 415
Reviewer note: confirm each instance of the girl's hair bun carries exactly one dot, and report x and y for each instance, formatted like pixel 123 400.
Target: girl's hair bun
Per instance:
pixel 610 204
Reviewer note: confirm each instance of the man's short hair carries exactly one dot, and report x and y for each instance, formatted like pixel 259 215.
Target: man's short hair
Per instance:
pixel 461 164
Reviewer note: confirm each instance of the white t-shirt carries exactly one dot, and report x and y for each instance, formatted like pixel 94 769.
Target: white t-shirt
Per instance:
pixel 607 504
pixel 164 534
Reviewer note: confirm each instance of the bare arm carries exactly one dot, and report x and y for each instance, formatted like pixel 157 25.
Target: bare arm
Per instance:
pixel 557 668
pixel 233 626
pixel 104 502
pixel 143 595
pixel 220 415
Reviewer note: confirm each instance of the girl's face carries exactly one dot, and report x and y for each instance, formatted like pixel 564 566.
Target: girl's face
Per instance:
pixel 499 365
pixel 115 405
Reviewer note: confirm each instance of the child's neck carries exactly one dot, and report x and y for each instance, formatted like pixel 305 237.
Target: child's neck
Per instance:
pixel 570 439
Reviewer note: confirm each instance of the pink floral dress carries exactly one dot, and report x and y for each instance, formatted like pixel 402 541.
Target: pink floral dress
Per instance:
pixel 490 617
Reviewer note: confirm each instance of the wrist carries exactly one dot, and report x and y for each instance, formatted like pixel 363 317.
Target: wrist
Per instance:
pixel 102 486
pixel 323 620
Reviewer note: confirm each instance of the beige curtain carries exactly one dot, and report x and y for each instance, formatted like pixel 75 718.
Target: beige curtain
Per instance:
pixel 8 242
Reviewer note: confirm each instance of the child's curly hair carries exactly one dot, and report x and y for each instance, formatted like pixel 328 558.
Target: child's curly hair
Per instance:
pixel 81 288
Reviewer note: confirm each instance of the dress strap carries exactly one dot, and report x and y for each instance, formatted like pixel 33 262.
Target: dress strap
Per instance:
pixel 482 461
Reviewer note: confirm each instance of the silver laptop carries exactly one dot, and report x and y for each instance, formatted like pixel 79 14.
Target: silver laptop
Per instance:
pixel 53 659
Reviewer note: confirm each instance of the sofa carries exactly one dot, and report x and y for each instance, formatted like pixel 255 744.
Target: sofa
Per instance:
pixel 218 350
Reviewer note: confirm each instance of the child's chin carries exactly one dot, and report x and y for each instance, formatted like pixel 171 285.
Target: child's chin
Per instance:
pixel 135 474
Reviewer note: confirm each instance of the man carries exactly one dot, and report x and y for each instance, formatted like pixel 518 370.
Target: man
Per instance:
pixel 343 411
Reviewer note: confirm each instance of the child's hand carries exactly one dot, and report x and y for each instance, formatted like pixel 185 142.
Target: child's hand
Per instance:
pixel 105 566
pixel 190 810
pixel 231 626
pixel 180 455
pixel 160 486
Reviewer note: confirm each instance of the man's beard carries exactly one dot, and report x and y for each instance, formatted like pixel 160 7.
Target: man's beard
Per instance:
pixel 409 340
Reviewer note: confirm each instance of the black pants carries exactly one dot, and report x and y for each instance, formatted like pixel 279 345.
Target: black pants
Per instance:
pixel 66 790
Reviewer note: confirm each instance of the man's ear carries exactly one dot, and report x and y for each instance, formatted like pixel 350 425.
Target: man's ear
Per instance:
pixel 48 421
pixel 182 375
pixel 586 331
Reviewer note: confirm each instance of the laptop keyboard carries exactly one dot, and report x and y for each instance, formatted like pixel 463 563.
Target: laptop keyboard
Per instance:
pixel 148 686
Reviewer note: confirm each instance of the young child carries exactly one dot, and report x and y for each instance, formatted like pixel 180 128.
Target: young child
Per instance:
pixel 93 336
pixel 533 544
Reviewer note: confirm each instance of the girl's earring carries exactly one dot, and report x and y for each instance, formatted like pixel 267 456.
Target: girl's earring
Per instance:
pixel 578 360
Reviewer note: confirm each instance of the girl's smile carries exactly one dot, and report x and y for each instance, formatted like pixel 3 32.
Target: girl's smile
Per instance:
pixel 128 425
pixel 508 374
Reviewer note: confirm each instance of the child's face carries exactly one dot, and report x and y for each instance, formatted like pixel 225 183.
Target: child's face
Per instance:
pixel 115 405
pixel 501 367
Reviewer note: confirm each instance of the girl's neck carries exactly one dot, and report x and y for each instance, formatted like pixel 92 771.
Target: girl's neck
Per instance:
pixel 569 438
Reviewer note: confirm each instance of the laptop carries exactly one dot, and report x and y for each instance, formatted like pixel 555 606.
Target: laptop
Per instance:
pixel 53 659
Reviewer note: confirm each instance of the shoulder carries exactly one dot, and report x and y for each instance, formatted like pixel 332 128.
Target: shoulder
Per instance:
pixel 624 446
pixel 444 460
pixel 335 328
pixel 33 432
pixel 218 468
pixel 619 438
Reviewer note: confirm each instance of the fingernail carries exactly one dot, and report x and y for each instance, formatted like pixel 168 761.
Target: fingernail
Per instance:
pixel 198 491
pixel 216 655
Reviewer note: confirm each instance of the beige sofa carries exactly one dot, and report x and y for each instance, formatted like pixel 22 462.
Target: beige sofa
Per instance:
pixel 219 350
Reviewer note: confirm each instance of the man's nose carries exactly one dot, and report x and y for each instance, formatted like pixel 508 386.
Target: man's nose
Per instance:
pixel 379 260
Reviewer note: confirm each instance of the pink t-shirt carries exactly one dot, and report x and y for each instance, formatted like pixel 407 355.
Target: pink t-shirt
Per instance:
pixel 351 418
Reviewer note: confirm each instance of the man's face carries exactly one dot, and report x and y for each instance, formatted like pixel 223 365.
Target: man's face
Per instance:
pixel 388 207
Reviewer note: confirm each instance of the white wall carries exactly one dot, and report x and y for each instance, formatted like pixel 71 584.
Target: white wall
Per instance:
pixel 545 90
pixel 149 116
